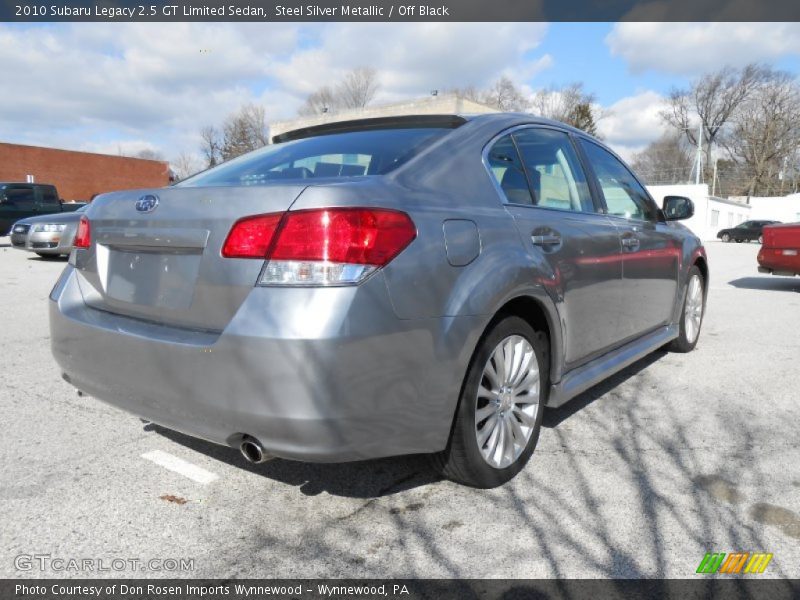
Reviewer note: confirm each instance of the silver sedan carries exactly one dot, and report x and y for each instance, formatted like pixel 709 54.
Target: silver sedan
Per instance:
pixel 419 284
pixel 48 235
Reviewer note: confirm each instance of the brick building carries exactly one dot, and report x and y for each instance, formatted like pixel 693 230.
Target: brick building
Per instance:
pixel 79 175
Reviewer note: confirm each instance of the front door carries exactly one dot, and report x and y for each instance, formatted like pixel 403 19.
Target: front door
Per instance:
pixel 16 202
pixel 651 254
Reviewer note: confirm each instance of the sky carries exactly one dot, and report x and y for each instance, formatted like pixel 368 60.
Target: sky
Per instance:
pixel 127 87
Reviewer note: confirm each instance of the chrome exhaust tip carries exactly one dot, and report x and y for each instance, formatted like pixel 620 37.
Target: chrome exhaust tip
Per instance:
pixel 253 451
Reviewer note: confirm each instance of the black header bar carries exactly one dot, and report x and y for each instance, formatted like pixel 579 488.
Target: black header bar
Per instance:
pixel 407 11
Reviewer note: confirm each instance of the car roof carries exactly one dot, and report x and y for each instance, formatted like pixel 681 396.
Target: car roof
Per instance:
pixel 27 183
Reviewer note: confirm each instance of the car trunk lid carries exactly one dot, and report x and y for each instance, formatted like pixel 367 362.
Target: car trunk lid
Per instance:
pixel 155 255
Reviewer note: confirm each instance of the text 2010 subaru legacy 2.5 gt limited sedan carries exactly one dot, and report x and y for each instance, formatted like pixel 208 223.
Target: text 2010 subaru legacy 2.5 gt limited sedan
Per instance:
pixel 379 287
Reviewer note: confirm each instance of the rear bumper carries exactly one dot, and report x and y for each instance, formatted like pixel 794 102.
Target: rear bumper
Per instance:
pixel 346 380
pixel 777 262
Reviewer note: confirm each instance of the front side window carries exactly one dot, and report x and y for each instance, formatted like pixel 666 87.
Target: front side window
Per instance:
pixel 624 196
pixel 339 155
pixel 21 197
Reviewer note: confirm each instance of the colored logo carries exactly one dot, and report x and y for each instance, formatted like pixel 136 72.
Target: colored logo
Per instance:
pixel 147 203
pixel 734 563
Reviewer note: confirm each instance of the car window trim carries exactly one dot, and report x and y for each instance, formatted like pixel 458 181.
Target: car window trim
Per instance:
pixel 504 201
pixel 659 218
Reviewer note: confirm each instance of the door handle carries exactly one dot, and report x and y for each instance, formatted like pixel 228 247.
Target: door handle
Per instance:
pixel 630 242
pixel 551 239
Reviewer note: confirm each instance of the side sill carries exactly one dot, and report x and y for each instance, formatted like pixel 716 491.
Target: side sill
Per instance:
pixel 581 379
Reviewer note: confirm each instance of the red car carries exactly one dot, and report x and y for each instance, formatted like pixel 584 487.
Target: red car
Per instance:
pixel 780 252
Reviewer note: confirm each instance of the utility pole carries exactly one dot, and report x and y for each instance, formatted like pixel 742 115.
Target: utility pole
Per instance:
pixel 714 180
pixel 699 152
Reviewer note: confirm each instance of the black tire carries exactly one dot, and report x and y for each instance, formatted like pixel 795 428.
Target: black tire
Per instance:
pixel 682 343
pixel 46 256
pixel 462 460
pixel 726 238
pixel 738 241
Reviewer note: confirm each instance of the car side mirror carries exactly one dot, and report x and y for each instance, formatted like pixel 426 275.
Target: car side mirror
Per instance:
pixel 677 208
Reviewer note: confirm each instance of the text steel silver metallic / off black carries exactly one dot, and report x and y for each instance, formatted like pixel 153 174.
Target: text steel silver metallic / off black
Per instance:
pixel 379 287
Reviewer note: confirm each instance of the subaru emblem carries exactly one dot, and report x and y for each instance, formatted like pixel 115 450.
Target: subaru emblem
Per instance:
pixel 147 203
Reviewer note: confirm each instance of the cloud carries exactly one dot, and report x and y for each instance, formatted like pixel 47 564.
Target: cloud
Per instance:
pixel 692 48
pixel 115 85
pixel 632 122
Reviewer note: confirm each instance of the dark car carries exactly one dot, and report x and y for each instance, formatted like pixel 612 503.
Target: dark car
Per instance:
pixel 749 231
pixel 23 200
pixel 403 285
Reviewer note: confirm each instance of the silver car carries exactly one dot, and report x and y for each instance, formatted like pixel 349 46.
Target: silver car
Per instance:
pixel 47 235
pixel 422 284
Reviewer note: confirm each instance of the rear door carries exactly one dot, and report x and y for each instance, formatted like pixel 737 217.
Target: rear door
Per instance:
pixel 48 200
pixel 546 191
pixel 650 251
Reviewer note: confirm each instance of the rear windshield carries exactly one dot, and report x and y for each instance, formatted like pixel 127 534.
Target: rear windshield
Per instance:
pixel 350 154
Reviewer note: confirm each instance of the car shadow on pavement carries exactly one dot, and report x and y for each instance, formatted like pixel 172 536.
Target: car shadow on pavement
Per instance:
pixel 773 282
pixel 363 479
pixel 555 416
pixel 58 258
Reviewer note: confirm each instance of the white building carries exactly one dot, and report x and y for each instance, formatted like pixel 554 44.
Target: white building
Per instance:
pixel 785 208
pixel 710 213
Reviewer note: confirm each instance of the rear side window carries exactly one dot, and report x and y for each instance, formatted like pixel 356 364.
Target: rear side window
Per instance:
pixel 340 155
pixel 49 195
pixel 539 167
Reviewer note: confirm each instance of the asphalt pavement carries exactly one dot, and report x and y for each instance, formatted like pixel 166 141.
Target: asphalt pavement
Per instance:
pixel 678 455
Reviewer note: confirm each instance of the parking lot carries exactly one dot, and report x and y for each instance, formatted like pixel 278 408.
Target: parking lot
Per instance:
pixel 676 456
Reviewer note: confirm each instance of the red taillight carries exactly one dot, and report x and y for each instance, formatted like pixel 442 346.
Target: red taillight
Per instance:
pixel 327 246
pixel 251 237
pixel 360 236
pixel 83 237
pixel 356 236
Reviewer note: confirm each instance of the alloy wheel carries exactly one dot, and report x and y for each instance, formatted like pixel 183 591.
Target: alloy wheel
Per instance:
pixel 507 402
pixel 693 313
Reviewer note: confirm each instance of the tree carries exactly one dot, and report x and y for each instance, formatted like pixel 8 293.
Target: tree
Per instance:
pixel 149 154
pixel 319 102
pixel 244 131
pixel 666 160
pixel 212 145
pixel 505 96
pixel 713 98
pixel 357 89
pixel 185 165
pixel 570 104
pixel 765 132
